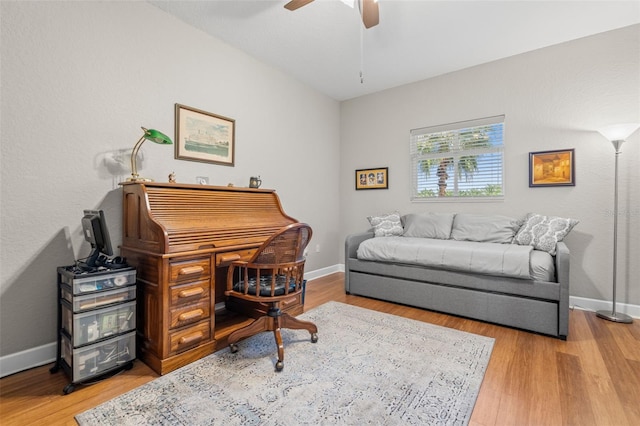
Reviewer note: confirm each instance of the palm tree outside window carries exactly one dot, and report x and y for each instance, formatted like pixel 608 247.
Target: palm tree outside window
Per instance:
pixel 461 160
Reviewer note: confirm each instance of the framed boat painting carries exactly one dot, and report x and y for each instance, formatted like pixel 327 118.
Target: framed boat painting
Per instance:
pixel 203 136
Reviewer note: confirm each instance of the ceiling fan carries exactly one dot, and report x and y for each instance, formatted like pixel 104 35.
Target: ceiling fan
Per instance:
pixel 368 10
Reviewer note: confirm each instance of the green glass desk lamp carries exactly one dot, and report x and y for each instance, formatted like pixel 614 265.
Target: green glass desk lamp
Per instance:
pixel 153 136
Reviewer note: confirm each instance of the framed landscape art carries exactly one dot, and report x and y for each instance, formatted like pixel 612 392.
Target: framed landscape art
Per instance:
pixel 552 168
pixel 203 136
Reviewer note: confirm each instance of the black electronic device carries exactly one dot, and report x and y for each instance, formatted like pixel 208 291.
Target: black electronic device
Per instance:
pixel 94 228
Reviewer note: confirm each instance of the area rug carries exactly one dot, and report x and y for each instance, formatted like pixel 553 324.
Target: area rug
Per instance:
pixel 366 368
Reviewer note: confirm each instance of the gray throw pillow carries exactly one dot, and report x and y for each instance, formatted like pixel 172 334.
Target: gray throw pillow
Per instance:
pixel 544 232
pixel 386 225
pixel 428 225
pixel 484 228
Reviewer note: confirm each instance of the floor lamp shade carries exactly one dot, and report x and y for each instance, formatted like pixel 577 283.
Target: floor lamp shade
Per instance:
pixel 149 135
pixel 617 134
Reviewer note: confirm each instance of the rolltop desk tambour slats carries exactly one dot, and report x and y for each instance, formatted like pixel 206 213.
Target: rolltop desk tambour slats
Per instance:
pixel 181 239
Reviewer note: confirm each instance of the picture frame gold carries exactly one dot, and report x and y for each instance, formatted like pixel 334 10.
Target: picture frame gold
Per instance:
pixel 203 136
pixel 552 168
pixel 377 178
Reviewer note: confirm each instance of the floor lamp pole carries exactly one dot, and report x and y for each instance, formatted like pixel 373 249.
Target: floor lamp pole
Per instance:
pixel 613 315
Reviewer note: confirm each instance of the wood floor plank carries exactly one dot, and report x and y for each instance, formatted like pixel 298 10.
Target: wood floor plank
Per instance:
pixel 619 369
pixel 573 386
pixel 593 378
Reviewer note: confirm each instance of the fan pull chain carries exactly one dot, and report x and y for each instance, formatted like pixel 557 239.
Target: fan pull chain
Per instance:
pixel 361 53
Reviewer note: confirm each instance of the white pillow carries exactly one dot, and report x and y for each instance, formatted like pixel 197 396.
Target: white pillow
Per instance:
pixel 428 225
pixel 386 225
pixel 544 232
pixel 487 228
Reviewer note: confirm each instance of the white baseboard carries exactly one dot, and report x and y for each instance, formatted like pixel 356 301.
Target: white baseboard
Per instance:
pixel 45 354
pixel 324 271
pixel 30 358
pixel 597 305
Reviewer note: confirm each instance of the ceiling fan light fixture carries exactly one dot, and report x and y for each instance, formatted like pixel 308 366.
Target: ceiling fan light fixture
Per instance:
pixel 370 13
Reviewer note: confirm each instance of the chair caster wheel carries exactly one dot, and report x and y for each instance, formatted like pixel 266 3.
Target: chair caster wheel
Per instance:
pixel 279 365
pixel 233 348
pixel 314 337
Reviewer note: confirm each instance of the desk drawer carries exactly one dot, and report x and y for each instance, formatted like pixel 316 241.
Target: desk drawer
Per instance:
pixel 224 259
pixel 190 337
pixel 189 269
pixel 189 314
pixel 190 293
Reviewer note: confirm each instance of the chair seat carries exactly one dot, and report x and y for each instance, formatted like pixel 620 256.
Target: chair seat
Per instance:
pixel 265 285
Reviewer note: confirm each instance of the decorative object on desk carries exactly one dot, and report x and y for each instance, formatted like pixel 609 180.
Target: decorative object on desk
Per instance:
pixel 172 177
pixel 202 180
pixel 255 182
pixel 617 134
pixel 552 168
pixel 369 368
pixel 203 136
pixel 149 135
pixel 372 178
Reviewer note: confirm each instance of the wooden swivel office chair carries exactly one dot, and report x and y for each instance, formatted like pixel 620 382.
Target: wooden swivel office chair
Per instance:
pixel 274 274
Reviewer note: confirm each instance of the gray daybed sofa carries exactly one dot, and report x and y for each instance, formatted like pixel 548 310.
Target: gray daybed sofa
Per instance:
pixel 467 265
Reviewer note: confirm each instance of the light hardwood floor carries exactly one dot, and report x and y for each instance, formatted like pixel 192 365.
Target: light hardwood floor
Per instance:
pixel 593 378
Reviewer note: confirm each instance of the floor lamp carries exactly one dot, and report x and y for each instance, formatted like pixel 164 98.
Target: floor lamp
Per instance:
pixel 617 134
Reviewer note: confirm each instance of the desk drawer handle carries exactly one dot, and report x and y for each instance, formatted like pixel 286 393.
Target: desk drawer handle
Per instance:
pixel 191 270
pixel 193 338
pixel 186 316
pixel 191 292
pixel 226 258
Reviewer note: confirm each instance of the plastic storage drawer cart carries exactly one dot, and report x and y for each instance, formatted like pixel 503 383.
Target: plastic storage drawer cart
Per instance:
pixel 96 323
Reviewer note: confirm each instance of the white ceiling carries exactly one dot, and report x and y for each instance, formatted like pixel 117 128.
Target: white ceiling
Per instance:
pixel 325 45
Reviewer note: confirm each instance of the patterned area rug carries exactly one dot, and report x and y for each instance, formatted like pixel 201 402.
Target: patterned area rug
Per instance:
pixel 366 368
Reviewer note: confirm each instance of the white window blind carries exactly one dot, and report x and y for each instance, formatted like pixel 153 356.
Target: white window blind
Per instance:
pixel 463 160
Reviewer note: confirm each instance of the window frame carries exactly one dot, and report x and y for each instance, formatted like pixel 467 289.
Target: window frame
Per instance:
pixel 456 133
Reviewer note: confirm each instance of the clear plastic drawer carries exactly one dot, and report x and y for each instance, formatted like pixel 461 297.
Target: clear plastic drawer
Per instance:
pixel 98 300
pixel 98 281
pixel 95 359
pixel 95 325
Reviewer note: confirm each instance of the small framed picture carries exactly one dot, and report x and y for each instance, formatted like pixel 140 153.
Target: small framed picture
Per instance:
pixel 552 168
pixel 203 136
pixel 372 178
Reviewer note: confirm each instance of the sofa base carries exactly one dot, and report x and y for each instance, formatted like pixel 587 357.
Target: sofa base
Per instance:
pixel 530 314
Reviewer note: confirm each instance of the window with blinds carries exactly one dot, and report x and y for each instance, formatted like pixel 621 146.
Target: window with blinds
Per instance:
pixel 463 160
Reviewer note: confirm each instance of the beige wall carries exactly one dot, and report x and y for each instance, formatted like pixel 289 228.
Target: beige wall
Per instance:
pixel 78 81
pixel 552 98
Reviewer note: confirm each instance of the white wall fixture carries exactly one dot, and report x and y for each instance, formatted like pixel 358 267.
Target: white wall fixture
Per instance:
pixel 617 134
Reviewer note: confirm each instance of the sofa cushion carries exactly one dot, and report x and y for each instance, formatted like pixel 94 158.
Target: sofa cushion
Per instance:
pixel 544 232
pixel 428 225
pixel 507 260
pixel 386 225
pixel 484 228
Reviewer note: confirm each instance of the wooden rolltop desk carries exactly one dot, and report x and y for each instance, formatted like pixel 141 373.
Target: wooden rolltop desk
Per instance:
pixel 181 238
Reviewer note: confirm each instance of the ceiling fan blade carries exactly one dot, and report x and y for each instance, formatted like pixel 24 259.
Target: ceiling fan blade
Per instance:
pixel 370 16
pixel 296 4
